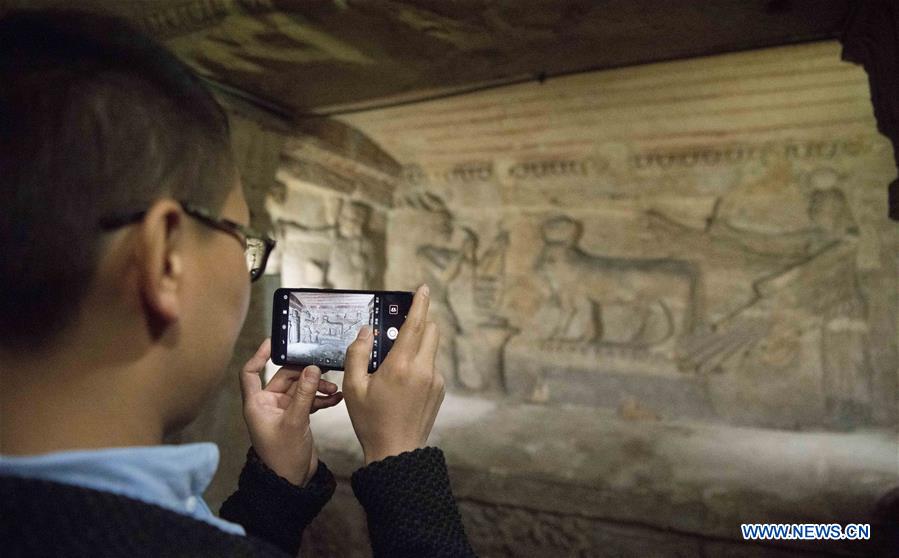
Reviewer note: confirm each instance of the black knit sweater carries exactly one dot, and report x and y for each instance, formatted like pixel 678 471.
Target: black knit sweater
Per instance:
pixel 407 498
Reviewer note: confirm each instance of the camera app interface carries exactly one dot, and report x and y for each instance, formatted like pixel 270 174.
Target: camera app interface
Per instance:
pixel 317 326
pixel 321 326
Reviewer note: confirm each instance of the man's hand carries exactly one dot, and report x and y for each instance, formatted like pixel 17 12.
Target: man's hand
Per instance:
pixel 393 410
pixel 278 415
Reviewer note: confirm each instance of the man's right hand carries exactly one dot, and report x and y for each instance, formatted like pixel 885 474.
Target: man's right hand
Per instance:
pixel 393 409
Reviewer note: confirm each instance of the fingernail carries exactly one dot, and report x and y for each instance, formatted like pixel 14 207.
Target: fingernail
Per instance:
pixel 364 332
pixel 424 290
pixel 311 375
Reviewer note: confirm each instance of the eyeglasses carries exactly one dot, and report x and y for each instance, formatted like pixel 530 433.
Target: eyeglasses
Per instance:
pixel 257 246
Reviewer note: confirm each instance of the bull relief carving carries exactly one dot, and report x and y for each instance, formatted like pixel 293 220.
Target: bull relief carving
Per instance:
pixel 627 302
pixel 607 327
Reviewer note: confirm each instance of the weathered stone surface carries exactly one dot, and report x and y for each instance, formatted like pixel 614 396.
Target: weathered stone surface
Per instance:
pixel 333 243
pixel 304 159
pixel 539 481
pixel 304 55
pixel 628 266
pixel 331 217
pixel 637 233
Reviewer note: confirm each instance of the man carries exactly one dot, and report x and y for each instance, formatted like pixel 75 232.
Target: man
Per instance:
pixel 124 246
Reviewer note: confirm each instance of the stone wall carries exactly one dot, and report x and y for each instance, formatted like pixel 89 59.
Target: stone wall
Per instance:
pixel 703 239
pixel 330 211
pixel 668 301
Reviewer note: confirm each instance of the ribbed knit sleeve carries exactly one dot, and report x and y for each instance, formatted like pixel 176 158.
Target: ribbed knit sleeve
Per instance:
pixel 410 506
pixel 272 508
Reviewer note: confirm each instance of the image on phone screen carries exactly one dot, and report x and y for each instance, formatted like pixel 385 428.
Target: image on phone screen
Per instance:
pixel 316 326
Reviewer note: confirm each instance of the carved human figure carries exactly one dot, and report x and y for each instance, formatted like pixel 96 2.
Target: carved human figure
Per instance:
pixel 819 280
pixel 339 254
pixel 448 263
pixel 466 288
pixel 351 264
pixel 827 211
pixel 844 332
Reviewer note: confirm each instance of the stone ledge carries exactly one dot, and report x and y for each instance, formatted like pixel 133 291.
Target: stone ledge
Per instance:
pixel 688 479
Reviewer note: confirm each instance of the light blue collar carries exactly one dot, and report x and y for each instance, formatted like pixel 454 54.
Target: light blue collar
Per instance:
pixel 173 477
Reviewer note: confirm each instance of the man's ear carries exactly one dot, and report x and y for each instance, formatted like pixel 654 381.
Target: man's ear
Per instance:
pixel 160 259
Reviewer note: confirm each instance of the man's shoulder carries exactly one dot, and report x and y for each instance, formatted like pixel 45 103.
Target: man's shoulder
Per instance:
pixel 43 517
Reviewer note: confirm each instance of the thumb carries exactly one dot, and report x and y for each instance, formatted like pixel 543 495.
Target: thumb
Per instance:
pixel 358 356
pixel 304 390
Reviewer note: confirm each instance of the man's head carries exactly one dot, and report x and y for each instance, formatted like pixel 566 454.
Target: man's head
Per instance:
pixel 98 122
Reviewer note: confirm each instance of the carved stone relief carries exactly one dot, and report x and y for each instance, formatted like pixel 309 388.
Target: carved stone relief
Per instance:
pixel 718 308
pixel 342 251
pixel 628 302
pixel 467 284
pixel 807 319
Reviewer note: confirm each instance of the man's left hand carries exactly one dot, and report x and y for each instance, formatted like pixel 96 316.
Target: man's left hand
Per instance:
pixel 277 416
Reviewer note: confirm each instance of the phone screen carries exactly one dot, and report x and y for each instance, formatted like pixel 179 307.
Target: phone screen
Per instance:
pixel 315 326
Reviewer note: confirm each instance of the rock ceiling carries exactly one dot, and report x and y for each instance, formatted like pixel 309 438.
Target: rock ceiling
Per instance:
pixel 305 55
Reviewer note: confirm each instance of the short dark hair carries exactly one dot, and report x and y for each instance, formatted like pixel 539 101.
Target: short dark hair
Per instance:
pixel 96 120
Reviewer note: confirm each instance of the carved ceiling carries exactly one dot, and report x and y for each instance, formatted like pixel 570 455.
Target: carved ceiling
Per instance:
pixel 305 55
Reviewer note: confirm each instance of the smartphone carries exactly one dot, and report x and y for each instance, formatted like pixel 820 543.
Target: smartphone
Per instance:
pixel 315 326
